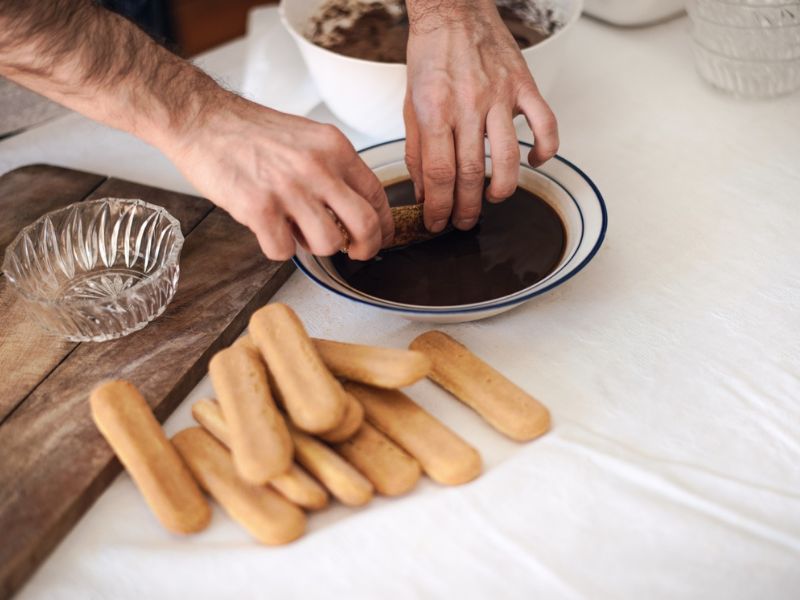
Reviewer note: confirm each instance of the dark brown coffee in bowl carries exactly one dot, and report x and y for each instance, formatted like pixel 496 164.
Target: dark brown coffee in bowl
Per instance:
pixel 378 31
pixel 515 244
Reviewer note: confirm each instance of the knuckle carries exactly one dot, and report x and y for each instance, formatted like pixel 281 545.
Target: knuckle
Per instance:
pixel 332 138
pixel 279 249
pixel 268 209
pixel 370 222
pixel 548 126
pixel 328 242
pixel 475 93
pixel 309 165
pixel 471 173
pixel 506 153
pixel 439 211
pixel 412 159
pixel 469 210
pixel 432 104
pixel 363 227
pixel 546 146
pixel 440 173
pixel 527 88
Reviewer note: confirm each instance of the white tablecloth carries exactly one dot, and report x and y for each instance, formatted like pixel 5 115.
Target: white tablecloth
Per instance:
pixel 670 366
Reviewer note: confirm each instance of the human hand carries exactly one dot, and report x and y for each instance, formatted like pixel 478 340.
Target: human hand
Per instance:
pixel 278 174
pixel 467 77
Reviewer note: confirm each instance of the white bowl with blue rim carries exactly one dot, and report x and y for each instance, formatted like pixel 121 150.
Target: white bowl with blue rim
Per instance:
pixel 566 188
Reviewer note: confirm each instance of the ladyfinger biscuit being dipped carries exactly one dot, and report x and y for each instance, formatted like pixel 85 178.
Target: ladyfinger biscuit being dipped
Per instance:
pixel 502 404
pixel 444 456
pixel 296 485
pixel 381 367
pixel 126 421
pixel 264 513
pixel 353 418
pixel 311 395
pixel 259 440
pixel 390 469
pixel 340 477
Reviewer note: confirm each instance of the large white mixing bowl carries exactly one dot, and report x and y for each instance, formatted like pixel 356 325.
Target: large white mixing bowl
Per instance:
pixel 368 96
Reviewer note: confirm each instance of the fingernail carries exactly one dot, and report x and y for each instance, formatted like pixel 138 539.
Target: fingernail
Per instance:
pixel 438 225
pixel 464 224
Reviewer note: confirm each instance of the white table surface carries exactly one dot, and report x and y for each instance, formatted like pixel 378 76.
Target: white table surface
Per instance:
pixel 670 366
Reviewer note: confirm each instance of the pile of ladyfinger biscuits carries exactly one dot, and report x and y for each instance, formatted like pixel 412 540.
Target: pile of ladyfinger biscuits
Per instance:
pixel 297 420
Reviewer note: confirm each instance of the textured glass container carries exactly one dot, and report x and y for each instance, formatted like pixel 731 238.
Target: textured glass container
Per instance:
pixel 96 270
pixel 748 43
pixel 747 47
pixel 743 14
pixel 747 78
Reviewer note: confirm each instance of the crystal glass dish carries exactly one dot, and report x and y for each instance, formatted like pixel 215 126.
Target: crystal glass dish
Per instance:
pixel 96 270
pixel 747 78
pixel 743 14
pixel 749 43
pixel 747 47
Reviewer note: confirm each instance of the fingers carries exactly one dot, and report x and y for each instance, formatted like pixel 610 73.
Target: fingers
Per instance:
pixel 320 233
pixel 505 153
pixel 274 235
pixel 542 122
pixel 366 184
pixel 358 217
pixel 438 175
pixel 413 151
pixel 470 174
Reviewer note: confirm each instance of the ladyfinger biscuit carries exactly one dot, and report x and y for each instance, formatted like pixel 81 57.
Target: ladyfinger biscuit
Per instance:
pixel 246 342
pixel 302 489
pixel 381 367
pixel 264 513
pixel 208 413
pixel 297 485
pixel 388 467
pixel 342 479
pixel 126 421
pixel 258 437
pixel 502 404
pixel 353 417
pixel 311 395
pixel 444 456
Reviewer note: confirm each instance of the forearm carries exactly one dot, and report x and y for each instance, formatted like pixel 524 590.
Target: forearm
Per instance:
pixel 101 65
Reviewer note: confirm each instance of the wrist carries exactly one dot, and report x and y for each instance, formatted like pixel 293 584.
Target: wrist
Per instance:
pixel 428 15
pixel 182 116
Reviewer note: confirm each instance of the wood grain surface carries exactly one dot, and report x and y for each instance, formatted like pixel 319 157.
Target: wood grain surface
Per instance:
pixel 22 351
pixel 29 192
pixel 53 462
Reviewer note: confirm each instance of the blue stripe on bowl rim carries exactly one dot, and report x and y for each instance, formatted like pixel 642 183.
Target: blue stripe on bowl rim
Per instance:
pixel 513 302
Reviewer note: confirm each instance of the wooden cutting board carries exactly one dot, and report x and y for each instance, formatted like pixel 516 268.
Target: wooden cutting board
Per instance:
pixel 53 462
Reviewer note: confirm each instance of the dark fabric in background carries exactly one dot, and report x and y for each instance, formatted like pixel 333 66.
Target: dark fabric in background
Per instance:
pixel 154 16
